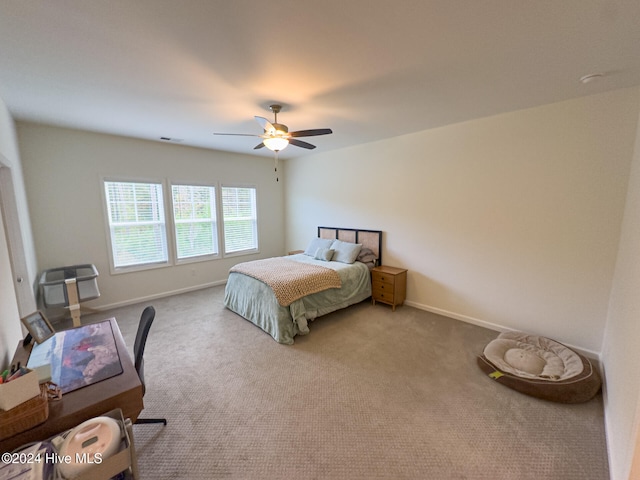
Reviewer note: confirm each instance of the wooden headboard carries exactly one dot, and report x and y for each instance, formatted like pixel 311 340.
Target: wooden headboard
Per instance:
pixel 371 239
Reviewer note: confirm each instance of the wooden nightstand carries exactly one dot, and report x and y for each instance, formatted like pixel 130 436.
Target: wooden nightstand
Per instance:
pixel 388 285
pixel 295 252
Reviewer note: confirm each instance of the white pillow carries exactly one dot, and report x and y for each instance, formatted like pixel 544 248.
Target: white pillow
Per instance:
pixel 345 252
pixel 317 243
pixel 324 254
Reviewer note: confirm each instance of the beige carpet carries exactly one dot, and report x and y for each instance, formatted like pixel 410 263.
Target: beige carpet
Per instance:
pixel 368 394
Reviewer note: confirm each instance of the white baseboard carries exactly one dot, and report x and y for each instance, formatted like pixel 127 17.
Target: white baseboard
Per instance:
pixel 445 313
pixel 494 326
pixel 155 296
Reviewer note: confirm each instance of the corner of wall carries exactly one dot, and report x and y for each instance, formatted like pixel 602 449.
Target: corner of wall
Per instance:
pixel 620 356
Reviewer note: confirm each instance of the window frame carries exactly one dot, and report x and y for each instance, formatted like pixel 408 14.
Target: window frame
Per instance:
pixel 249 251
pixel 113 269
pixel 216 211
pixel 169 222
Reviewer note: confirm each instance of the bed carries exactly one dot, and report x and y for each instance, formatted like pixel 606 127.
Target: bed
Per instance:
pixel 284 308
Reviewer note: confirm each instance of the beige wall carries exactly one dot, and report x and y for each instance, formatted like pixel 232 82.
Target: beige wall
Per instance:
pixel 510 221
pixel 63 169
pixel 621 346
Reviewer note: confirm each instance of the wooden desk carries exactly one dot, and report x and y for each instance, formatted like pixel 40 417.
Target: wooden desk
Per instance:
pixel 123 391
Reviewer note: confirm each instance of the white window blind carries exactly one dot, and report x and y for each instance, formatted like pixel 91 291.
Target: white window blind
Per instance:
pixel 136 223
pixel 194 214
pixel 239 219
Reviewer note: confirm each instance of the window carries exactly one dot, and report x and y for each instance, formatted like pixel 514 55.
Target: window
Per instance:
pixel 135 212
pixel 194 215
pixel 239 219
pixel 203 219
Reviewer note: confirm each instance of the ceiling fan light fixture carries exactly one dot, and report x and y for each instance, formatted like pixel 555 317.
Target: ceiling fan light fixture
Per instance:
pixel 276 136
pixel 276 143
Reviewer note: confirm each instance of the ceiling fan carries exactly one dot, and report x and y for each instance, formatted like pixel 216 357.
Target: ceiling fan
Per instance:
pixel 276 136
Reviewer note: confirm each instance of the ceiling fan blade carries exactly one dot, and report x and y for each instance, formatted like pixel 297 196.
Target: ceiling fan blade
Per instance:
pixel 300 143
pixel 260 145
pixel 239 134
pixel 311 133
pixel 265 124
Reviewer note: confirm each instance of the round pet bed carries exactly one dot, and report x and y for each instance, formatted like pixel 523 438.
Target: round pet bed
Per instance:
pixel 540 367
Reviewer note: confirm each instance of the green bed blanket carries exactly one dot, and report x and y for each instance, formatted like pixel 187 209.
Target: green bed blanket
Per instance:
pixel 256 302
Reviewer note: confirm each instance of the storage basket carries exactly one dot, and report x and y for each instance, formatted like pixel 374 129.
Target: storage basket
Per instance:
pixel 26 415
pixel 19 390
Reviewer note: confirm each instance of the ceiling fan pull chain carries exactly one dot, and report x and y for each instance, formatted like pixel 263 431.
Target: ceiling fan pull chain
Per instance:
pixel 276 165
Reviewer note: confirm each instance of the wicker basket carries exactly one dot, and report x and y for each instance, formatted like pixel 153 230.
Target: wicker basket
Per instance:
pixel 26 415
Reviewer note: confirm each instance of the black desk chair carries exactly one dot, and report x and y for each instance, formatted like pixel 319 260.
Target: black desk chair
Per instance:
pixel 146 320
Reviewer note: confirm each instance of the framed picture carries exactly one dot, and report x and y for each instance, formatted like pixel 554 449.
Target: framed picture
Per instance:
pixel 38 326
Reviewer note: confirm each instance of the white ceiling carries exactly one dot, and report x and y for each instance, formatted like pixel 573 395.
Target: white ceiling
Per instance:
pixel 368 69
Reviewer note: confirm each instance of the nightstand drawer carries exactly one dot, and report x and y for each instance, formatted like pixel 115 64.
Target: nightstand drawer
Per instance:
pixel 382 295
pixel 381 277
pixel 382 287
